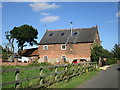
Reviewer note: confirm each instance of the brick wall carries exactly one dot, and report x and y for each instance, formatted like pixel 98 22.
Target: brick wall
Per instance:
pixel 73 51
pixel 15 63
pixel 97 38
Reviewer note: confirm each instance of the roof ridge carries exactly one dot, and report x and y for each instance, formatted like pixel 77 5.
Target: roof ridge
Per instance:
pixel 62 29
pixel 72 29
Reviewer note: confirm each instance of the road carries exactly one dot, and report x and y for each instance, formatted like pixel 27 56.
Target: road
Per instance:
pixel 104 79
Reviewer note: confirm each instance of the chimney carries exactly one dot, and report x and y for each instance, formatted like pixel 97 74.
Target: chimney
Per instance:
pixel 45 28
pixel 71 28
pixel 96 26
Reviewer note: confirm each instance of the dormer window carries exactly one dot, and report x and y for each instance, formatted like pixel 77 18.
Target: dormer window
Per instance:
pixel 63 47
pixel 75 33
pixel 62 34
pixel 50 34
pixel 45 47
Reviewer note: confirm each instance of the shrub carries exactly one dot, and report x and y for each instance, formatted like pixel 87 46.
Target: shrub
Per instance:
pixel 45 64
pixel 111 60
pixel 36 63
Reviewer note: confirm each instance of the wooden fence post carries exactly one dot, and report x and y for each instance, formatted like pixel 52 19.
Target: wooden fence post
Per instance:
pixel 78 69
pixel 73 69
pixel 96 66
pixel 41 78
pixel 56 74
pixel 83 68
pixel 90 66
pixel 66 68
pixel 86 67
pixel 17 72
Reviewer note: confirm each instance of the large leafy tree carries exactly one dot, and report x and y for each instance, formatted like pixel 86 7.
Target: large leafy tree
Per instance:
pixel 96 52
pixel 116 51
pixel 24 34
pixel 106 54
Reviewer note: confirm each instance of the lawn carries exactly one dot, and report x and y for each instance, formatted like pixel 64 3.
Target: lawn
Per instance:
pixel 25 72
pixel 75 81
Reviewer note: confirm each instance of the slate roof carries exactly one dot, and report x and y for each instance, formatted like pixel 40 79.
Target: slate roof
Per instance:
pixel 30 52
pixel 84 35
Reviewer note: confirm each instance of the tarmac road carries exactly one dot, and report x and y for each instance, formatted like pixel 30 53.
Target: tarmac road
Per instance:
pixel 104 79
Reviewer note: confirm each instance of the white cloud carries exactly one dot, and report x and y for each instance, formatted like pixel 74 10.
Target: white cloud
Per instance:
pixel 45 14
pixel 50 18
pixel 43 6
pixel 112 21
pixel 118 14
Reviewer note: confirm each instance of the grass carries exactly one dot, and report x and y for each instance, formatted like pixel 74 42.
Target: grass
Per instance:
pixel 6 77
pixel 10 76
pixel 75 81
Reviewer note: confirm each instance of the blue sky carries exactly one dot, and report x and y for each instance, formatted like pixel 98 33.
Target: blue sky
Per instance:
pixel 58 15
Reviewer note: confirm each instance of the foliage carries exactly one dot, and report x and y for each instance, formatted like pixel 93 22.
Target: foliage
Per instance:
pixel 116 51
pixel 96 51
pixel 111 60
pixel 5 52
pixel 24 34
pixel 106 54
pixel 10 44
pixel 35 63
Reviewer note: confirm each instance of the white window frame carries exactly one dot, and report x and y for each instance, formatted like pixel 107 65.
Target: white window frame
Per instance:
pixel 62 57
pixel 45 46
pixel 62 48
pixel 44 57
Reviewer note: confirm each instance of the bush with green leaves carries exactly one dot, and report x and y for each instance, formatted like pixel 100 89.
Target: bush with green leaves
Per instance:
pixel 111 60
pixel 36 63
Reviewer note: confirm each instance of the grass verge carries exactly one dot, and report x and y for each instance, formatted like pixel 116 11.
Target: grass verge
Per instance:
pixel 75 81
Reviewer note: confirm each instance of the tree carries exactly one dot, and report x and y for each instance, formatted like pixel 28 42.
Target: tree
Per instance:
pixel 116 51
pixel 5 52
pixel 106 54
pixel 24 34
pixel 96 52
pixel 10 44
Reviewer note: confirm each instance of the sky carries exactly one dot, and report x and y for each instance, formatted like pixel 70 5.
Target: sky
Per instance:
pixel 58 15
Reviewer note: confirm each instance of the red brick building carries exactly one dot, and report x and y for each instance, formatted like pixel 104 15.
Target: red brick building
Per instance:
pixel 61 44
pixel 33 52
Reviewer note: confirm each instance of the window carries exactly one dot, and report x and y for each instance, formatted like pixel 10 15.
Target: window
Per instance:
pixel 51 34
pixel 62 34
pixel 64 58
pixel 75 33
pixel 45 47
pixel 45 57
pixel 63 47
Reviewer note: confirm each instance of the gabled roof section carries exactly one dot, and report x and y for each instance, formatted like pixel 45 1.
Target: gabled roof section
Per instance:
pixel 30 52
pixel 83 35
